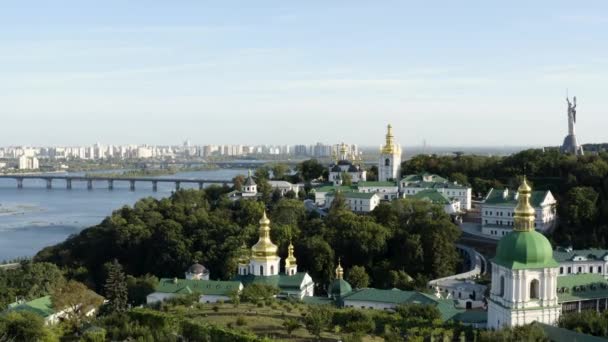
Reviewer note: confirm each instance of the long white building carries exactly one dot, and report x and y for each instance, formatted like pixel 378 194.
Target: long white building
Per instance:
pixel 498 211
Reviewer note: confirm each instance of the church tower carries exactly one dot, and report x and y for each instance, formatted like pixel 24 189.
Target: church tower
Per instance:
pixel 291 267
pixel 524 273
pixel 264 258
pixel 389 164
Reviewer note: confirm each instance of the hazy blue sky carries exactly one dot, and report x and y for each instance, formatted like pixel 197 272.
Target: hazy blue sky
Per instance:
pixel 450 72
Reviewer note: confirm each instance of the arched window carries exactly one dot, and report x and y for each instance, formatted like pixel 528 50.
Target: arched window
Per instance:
pixel 387 162
pixel 261 270
pixel 502 286
pixel 534 289
pixel 271 269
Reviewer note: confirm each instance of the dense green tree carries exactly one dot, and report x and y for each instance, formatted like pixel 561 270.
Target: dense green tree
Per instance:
pixel 310 169
pixel 586 322
pixel 291 325
pixel 23 326
pixel 528 333
pixel 279 171
pixel 139 288
pixel 317 320
pixel 262 173
pixel 347 179
pixel 372 174
pixel 77 301
pixel 29 281
pixel 357 277
pixel 255 293
pixel 237 182
pixel 116 291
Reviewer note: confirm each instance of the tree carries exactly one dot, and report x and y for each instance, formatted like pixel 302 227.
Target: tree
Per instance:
pixel 317 320
pixel 357 277
pixel 347 179
pixel 22 326
pixel 139 288
pixel 237 182
pixel 279 171
pixel 310 169
pixel 262 173
pixel 372 173
pixel 78 302
pixel 254 293
pixel 290 325
pixel 116 288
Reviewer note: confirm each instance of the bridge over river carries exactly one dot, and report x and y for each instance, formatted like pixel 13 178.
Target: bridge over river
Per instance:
pixel 68 180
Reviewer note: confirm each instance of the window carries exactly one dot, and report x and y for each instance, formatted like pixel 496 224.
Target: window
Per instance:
pixel 580 269
pixel 502 286
pixel 561 270
pixel 271 269
pixel 261 270
pixel 599 269
pixel 534 287
pixel 569 270
pixel 387 162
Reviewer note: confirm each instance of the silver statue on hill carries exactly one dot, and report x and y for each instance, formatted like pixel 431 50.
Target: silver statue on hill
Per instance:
pixel 570 144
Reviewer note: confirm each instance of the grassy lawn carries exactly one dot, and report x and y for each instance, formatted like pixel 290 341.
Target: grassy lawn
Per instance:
pixel 266 321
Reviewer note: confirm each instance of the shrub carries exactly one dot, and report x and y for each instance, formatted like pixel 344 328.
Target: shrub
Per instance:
pixel 240 321
pixel 216 308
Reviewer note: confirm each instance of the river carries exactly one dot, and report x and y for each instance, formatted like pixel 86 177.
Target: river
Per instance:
pixel 34 217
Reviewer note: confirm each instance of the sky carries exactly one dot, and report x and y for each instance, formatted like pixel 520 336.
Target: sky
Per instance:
pixel 451 73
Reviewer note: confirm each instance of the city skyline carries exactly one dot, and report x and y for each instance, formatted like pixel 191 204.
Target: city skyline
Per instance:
pixel 455 75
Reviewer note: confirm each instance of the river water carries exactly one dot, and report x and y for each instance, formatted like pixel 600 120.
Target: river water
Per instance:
pixel 34 217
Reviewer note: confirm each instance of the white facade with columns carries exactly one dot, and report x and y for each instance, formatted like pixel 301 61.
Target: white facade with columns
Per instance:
pixel 520 297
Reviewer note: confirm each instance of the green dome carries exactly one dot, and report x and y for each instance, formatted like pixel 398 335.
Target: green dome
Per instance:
pixel 339 288
pixel 525 249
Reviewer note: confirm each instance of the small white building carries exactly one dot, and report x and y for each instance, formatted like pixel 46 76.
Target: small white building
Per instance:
pixel 357 201
pixel 210 291
pixel 412 184
pixel 451 206
pixel 387 191
pixel 284 186
pixel 497 211
pixel 584 261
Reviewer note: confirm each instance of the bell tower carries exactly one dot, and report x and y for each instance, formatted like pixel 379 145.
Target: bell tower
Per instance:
pixel 389 164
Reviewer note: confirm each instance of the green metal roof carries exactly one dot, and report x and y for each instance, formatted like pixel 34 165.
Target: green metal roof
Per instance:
pixel 362 195
pixel 331 188
pixel 339 288
pixel 434 182
pixel 377 184
pixel 42 306
pixel 524 250
pixel 556 334
pixel 395 296
pixel 581 287
pixel 204 287
pixel 562 255
pixel 281 281
pixel 432 196
pixel 496 196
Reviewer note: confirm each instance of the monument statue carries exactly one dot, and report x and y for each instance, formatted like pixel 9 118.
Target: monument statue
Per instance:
pixel 570 144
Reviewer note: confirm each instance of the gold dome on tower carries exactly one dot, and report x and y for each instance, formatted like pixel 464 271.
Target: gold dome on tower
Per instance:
pixel 524 212
pixel 291 259
pixel 264 248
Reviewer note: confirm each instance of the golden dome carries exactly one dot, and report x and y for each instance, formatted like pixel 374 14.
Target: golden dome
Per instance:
pixel 264 249
pixel 390 147
pixel 524 212
pixel 339 271
pixel 291 259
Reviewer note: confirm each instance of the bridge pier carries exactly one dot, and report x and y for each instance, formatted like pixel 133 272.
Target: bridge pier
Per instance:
pixel 68 183
pixel 110 184
pixel 154 186
pixel 49 183
pixel 177 185
pixel 201 185
pixel 90 184
pixel 132 185
pixel 19 183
